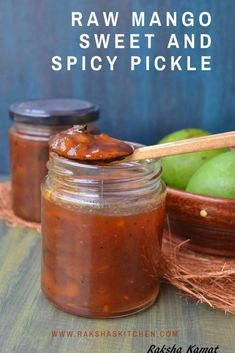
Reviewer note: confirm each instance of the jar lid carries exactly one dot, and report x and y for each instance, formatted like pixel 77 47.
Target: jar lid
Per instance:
pixel 66 111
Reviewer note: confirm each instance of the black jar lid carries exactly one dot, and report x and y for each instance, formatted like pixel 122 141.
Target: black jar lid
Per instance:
pixel 66 111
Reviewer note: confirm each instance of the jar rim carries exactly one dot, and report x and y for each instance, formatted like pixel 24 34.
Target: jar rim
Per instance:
pixel 122 179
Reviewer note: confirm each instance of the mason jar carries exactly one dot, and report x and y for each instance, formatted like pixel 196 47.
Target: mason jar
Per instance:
pixel 101 236
pixel 33 124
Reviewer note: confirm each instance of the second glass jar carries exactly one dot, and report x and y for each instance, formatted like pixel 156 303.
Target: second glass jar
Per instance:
pixel 34 123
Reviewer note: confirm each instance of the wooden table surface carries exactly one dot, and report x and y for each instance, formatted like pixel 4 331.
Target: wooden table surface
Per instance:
pixel 28 319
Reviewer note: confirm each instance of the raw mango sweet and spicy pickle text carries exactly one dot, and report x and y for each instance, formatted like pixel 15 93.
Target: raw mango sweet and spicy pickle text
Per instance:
pixel 142 45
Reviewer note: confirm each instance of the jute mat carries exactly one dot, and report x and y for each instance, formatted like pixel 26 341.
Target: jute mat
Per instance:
pixel 208 279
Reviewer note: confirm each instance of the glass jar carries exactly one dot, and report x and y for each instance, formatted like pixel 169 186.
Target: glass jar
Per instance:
pixel 101 236
pixel 34 123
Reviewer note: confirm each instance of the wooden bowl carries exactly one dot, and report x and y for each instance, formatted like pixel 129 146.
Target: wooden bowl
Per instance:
pixel 208 222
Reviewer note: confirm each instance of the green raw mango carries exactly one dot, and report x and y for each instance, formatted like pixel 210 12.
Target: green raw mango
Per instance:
pixel 216 177
pixel 178 170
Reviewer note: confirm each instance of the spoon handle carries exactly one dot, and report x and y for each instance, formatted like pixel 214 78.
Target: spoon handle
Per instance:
pixel 205 143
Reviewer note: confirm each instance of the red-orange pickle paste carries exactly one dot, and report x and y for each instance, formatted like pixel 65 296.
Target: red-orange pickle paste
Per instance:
pixel 101 234
pixel 78 144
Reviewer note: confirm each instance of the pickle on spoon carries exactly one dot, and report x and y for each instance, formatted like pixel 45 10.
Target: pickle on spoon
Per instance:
pixel 78 144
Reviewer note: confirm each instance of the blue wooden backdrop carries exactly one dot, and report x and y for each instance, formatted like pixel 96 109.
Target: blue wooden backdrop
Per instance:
pixel 135 105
